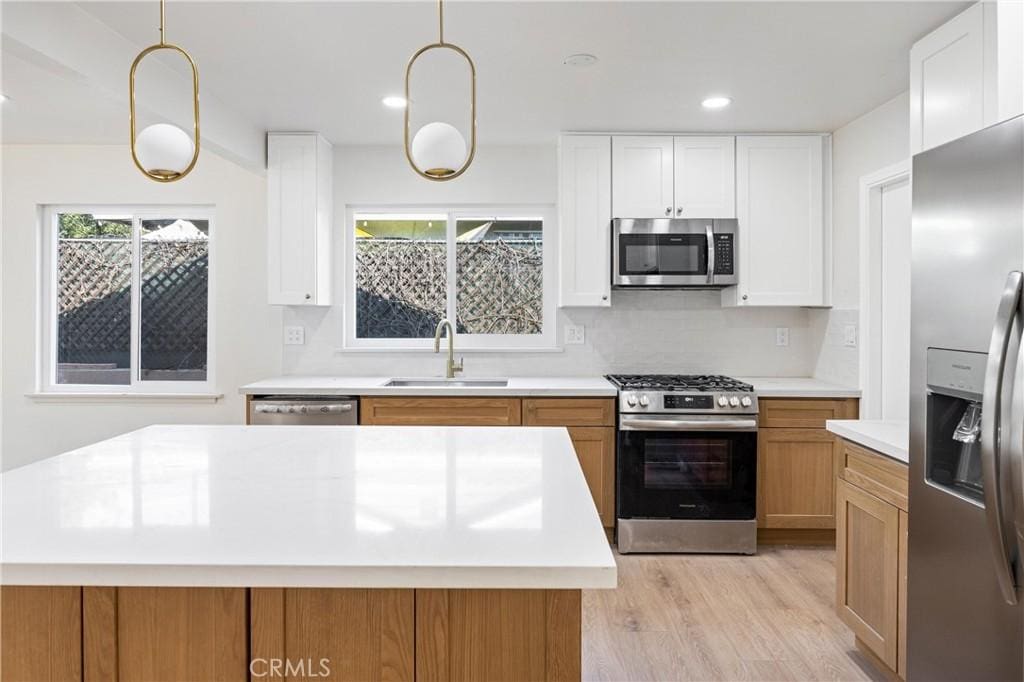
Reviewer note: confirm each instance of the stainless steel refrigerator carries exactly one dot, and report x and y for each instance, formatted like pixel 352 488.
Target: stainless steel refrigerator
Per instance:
pixel 967 410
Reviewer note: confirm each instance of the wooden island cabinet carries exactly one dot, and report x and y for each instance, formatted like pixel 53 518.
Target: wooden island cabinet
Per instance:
pixel 330 554
pixel 798 461
pixel 871 554
pixel 171 634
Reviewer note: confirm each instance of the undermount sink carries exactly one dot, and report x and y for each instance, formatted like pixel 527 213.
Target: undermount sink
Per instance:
pixel 444 383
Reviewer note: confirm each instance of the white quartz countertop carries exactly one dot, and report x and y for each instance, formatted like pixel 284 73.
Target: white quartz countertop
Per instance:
pixel 375 386
pixel 799 387
pixel 890 438
pixel 594 386
pixel 328 506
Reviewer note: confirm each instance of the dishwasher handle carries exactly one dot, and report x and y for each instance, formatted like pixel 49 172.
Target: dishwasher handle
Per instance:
pixel 303 408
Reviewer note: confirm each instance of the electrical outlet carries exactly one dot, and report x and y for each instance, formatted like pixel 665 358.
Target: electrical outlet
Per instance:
pixel 294 336
pixel 574 334
pixel 782 336
pixel 850 335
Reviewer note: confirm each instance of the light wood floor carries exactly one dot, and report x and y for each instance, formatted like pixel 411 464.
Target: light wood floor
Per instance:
pixel 687 617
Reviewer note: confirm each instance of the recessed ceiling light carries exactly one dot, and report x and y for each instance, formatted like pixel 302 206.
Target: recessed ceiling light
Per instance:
pixel 716 102
pixel 3 97
pixel 393 102
pixel 581 59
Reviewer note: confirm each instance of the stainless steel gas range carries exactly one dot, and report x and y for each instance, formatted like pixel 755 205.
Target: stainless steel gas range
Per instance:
pixel 686 464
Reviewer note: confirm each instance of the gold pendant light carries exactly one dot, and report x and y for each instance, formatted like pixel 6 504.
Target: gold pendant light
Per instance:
pixel 438 151
pixel 164 152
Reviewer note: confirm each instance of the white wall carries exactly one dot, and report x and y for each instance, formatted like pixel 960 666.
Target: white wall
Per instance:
pixel 877 139
pixel 247 330
pixel 667 331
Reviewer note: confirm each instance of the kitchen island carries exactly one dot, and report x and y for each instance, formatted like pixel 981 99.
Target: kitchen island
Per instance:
pixel 218 552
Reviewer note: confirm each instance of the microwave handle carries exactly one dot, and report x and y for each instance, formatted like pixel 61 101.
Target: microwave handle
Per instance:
pixel 711 254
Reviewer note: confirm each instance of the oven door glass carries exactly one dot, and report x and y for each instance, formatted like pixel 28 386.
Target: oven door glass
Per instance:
pixel 663 254
pixel 687 475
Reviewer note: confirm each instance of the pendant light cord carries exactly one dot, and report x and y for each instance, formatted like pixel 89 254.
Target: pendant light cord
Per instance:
pixel 440 21
pixel 162 22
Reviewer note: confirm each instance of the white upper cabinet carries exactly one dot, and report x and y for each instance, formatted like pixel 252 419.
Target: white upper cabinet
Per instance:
pixel 705 177
pixel 642 176
pixel 585 213
pixel 967 74
pixel 299 191
pixel 782 243
pixel 673 177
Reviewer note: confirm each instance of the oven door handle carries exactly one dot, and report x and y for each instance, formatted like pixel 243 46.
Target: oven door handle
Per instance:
pixel 626 424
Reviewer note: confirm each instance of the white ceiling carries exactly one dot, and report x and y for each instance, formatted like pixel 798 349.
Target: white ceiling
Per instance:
pixel 802 66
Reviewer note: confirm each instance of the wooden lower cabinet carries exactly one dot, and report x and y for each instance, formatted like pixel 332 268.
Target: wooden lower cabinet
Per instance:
pixel 441 411
pixel 590 421
pixel 867 577
pixel 336 634
pixel 901 610
pixel 871 556
pixel 568 412
pixel 798 461
pixel 151 634
pixel 40 634
pixel 165 634
pixel 796 478
pixel 595 449
pixel 481 635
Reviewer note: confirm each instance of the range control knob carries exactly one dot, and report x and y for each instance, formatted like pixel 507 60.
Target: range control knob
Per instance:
pixel 631 400
pixel 644 401
pixel 734 401
pixel 723 401
pixel 746 402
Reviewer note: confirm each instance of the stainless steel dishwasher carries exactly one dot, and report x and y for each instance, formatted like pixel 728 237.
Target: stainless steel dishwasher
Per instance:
pixel 297 410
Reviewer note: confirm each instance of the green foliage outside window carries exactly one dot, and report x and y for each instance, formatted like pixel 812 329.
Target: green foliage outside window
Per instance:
pixel 86 226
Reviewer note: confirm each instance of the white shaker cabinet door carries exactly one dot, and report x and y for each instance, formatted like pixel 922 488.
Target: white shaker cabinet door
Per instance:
pixel 947 81
pixel 299 219
pixel 585 212
pixel 779 209
pixel 705 177
pixel 642 176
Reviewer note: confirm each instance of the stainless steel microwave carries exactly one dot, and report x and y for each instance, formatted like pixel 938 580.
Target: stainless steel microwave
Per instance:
pixel 667 253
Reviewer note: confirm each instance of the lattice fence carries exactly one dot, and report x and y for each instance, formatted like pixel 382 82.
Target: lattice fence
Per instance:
pixel 94 303
pixel 401 287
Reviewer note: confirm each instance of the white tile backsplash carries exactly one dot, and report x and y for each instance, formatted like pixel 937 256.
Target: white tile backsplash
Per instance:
pixel 835 361
pixel 643 331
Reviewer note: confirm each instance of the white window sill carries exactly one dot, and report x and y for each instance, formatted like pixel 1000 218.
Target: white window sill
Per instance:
pixel 113 397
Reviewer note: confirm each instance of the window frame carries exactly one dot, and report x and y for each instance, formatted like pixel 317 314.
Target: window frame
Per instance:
pixel 545 341
pixel 47 323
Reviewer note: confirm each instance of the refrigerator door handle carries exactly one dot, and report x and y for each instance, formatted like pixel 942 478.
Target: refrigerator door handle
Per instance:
pixel 1016 449
pixel 990 432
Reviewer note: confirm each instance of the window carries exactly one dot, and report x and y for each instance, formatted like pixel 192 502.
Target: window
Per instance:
pixel 488 271
pixel 126 300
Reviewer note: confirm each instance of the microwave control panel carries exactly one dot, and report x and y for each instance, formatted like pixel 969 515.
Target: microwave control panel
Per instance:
pixel 723 254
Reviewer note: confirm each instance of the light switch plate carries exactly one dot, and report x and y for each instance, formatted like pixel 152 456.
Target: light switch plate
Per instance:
pixel 782 336
pixel 294 336
pixel 575 334
pixel 850 335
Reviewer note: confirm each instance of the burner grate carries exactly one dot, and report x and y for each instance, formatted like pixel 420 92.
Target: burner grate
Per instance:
pixel 678 382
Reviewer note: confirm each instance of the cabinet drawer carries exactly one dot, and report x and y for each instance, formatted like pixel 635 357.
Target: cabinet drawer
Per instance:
pixel 568 412
pixel 879 475
pixel 440 411
pixel 804 413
